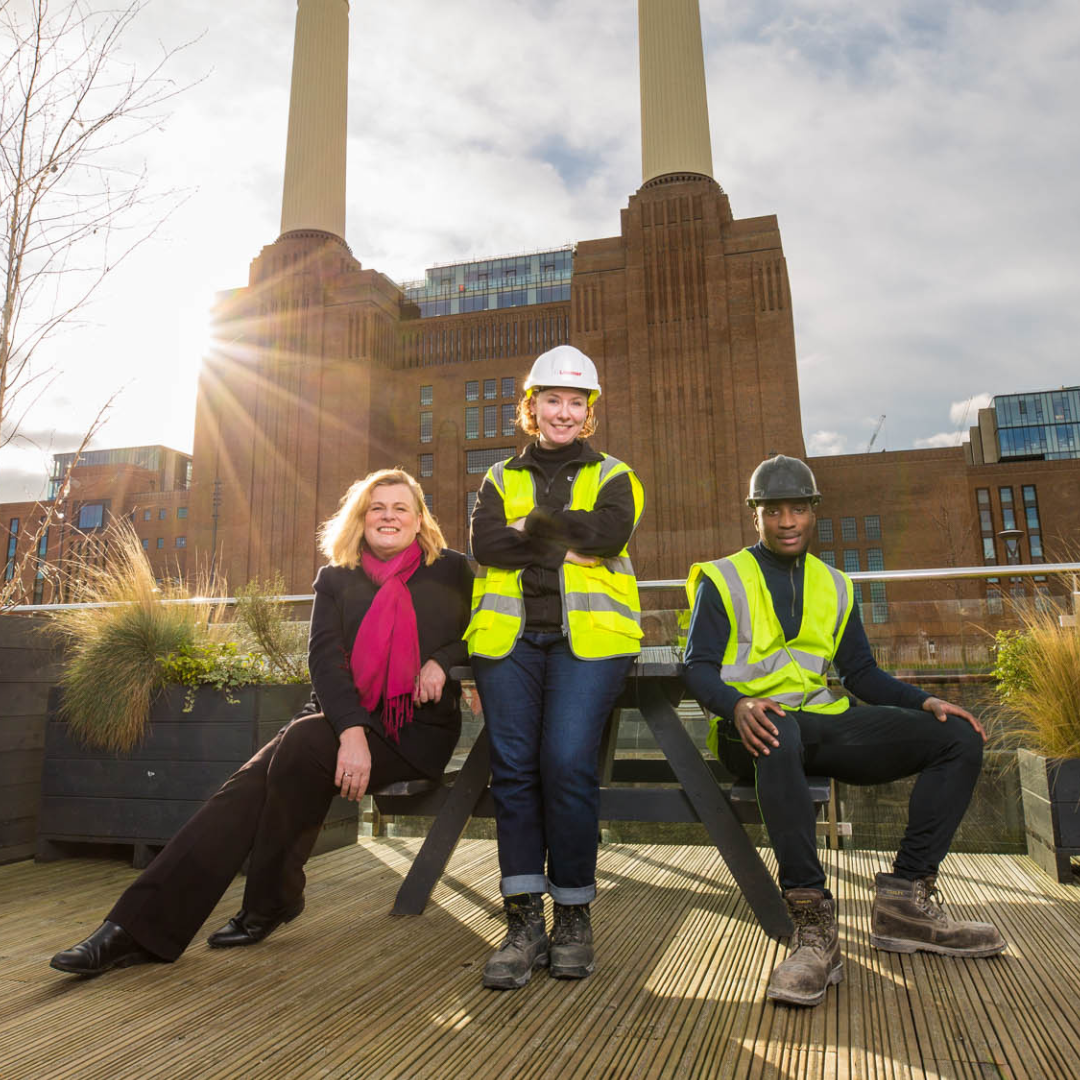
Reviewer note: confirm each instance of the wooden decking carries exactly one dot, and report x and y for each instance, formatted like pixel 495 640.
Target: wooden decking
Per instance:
pixel 350 991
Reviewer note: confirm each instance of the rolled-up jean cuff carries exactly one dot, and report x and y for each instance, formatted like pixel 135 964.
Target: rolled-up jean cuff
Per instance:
pixel 523 883
pixel 583 894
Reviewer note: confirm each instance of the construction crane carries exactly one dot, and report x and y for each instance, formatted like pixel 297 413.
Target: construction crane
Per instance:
pixel 877 428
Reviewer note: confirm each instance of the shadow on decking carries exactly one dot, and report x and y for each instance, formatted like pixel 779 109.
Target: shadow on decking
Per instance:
pixel 350 991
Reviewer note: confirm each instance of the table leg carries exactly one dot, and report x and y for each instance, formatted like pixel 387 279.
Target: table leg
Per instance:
pixel 446 830
pixel 715 812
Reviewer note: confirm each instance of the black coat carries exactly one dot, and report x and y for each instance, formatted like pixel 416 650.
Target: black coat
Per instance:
pixel 442 597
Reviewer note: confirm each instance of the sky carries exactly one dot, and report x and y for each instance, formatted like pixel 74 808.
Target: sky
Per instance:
pixel 921 158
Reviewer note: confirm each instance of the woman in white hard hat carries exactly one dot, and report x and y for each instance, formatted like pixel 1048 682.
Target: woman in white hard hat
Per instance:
pixel 556 623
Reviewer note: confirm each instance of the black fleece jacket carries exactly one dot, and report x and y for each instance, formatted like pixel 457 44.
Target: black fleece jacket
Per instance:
pixel 550 529
pixel 442 598
pixel 710 630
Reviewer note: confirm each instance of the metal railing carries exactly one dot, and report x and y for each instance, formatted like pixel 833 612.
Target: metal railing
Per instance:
pixel 939 573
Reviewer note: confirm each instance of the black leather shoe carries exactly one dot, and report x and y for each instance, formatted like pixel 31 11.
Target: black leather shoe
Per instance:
pixel 248 927
pixel 109 946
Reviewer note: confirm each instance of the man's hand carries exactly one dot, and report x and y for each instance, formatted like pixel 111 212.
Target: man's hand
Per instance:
pixel 429 683
pixel 942 709
pixel 755 728
pixel 353 764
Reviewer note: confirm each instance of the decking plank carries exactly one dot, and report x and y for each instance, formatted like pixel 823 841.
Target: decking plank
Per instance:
pixel 349 990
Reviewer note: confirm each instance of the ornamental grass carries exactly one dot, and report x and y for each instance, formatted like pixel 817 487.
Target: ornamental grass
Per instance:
pixel 1038 677
pixel 112 666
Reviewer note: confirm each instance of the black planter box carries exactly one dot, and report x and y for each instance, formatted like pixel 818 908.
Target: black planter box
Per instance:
pixel 143 798
pixel 1051 792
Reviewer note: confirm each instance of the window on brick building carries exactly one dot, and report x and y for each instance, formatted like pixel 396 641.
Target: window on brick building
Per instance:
pixel 427 464
pixel 1008 514
pixel 146 543
pixel 472 390
pixel 509 419
pixel 163 513
pixel 12 548
pixel 491 421
pixel 828 558
pixel 181 511
pixel 146 515
pixel 874 559
pixel 479 461
pixel 472 422
pixel 91 516
pixel 879 608
pixel 160 542
pixel 851 561
pixel 429 502
pixel 872 525
pixel 849 529
pixel 825 530
pixel 490 387
pixel 181 541
pixel 993 597
pixel 425 427
pixel 426 395
pixel 509 383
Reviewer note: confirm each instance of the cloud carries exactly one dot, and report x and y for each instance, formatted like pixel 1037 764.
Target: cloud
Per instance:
pixel 965 413
pixel 942 438
pixel 826 444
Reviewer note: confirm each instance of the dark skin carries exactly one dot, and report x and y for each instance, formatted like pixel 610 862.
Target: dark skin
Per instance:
pixel 786 527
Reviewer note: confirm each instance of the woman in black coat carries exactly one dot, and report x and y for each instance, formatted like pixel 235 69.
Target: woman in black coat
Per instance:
pixel 390 608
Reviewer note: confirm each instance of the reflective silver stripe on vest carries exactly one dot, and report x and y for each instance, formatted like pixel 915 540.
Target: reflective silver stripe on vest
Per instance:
pixel 796 701
pixel 809 661
pixel 843 600
pixel 606 466
pixel 497 471
pixel 620 565
pixel 740 606
pixel 501 605
pixel 597 601
pixel 734 673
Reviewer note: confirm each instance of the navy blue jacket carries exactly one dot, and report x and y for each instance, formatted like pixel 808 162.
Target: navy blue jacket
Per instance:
pixel 710 630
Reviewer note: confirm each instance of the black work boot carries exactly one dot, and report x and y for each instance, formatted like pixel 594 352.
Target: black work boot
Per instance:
pixel 907 916
pixel 813 963
pixel 571 942
pixel 109 946
pixel 525 946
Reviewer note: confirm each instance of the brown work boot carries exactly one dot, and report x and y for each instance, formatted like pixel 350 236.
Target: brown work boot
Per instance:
pixel 813 963
pixel 525 946
pixel 907 916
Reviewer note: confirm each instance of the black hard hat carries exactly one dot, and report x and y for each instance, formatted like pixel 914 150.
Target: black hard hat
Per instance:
pixel 782 477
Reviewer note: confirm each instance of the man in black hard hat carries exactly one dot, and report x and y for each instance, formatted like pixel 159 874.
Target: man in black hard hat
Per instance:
pixel 766 624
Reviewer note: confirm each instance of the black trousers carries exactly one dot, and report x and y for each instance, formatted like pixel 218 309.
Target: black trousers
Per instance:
pixel 270 808
pixel 866 745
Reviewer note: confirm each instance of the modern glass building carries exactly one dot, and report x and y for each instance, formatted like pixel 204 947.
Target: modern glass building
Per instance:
pixel 1043 426
pixel 541 277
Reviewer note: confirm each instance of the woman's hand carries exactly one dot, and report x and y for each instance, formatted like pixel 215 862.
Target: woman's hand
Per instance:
pixel 353 764
pixel 581 560
pixel 429 683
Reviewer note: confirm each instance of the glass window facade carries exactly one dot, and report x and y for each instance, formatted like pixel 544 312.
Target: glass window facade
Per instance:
pixel 479 461
pixel 509 418
pixel 472 390
pixel 509 385
pixel 541 277
pixel 874 559
pixel 426 395
pixel 490 387
pixel 1041 426
pixel 425 427
pixel 91 516
pixel 491 421
pixel 427 464
pixel 872 526
pixel 825 530
pixel 851 561
pixel 472 422
pixel 849 529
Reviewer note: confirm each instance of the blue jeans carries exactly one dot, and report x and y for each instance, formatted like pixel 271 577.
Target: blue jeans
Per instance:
pixel 545 711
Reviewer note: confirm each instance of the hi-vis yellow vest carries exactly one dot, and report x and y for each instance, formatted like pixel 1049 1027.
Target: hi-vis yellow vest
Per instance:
pixel 600 607
pixel 758 661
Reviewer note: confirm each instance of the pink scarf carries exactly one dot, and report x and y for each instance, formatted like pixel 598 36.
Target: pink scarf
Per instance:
pixel 385 658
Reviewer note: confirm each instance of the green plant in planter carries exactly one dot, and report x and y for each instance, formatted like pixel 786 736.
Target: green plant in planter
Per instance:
pixel 143 637
pixel 1038 677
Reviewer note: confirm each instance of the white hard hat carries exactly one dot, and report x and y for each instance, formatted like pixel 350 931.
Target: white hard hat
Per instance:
pixel 564 366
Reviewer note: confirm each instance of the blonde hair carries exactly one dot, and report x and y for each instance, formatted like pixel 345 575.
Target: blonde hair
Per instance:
pixel 341 537
pixel 527 421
